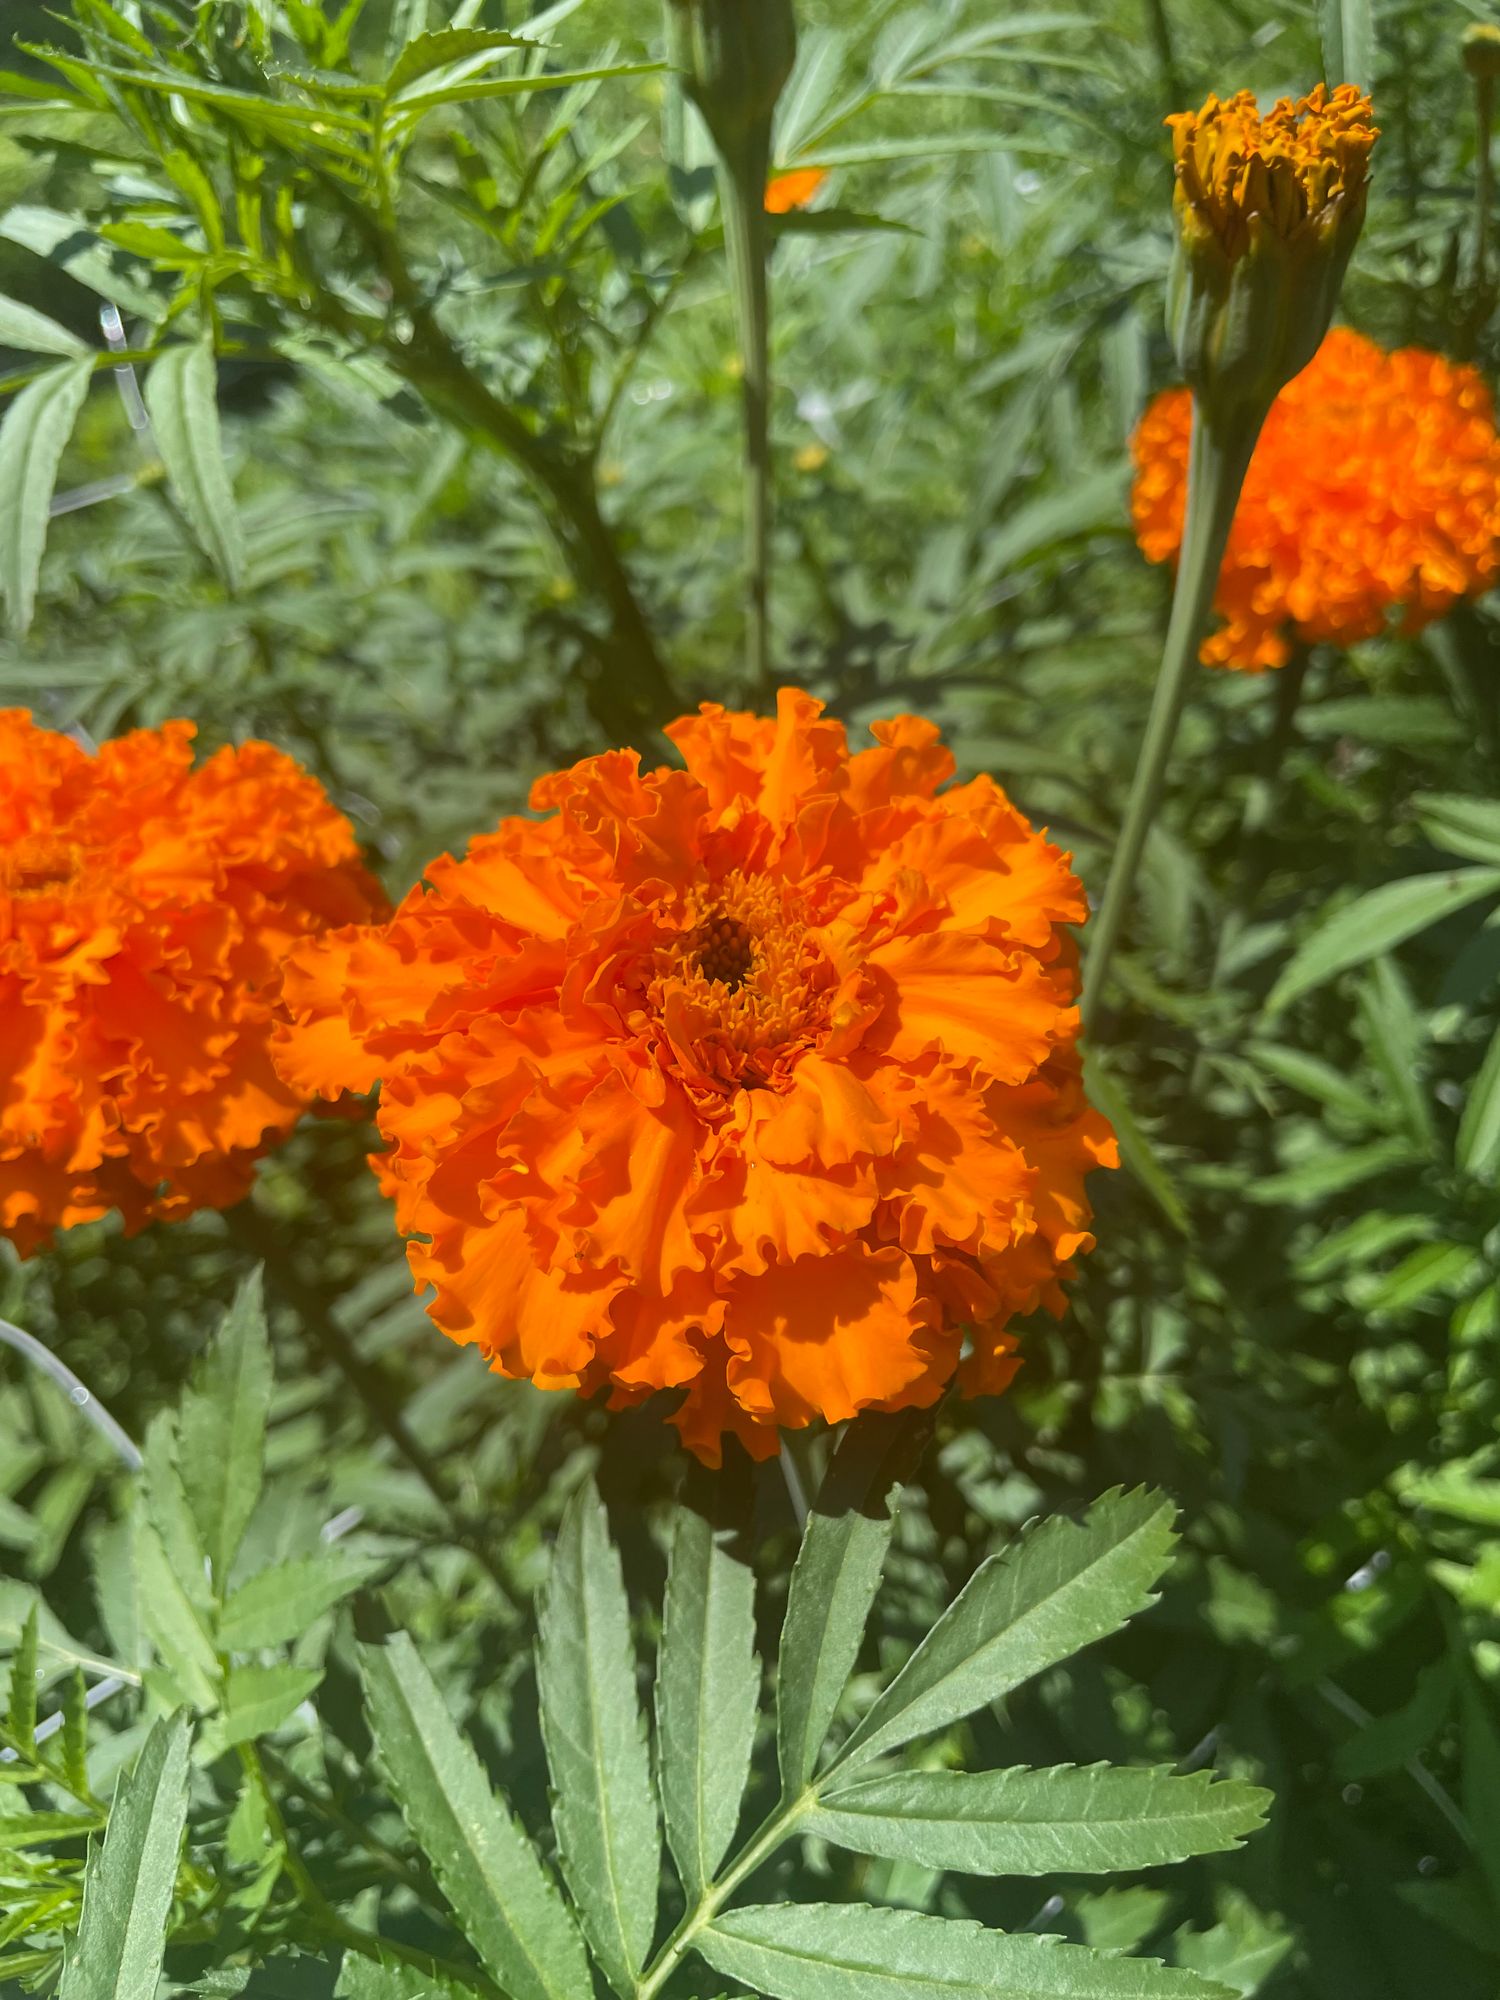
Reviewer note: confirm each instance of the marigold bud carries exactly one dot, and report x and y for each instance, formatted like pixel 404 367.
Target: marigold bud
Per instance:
pixel 1268 213
pixel 735 57
pixel 1481 47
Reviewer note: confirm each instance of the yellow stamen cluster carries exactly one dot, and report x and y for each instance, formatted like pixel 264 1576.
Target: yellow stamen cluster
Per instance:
pixel 1286 169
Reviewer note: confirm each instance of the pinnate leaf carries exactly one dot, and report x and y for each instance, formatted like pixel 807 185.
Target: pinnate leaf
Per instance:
pixel 221 1444
pixel 35 428
pixel 1059 1587
pixel 1040 1822
pixel 834 1581
pixel 603 1805
pixel 128 1884
pixel 827 1951
pixel 707 1680
pixel 484 1864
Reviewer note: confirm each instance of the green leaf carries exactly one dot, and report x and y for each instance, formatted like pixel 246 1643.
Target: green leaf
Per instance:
pixel 182 402
pixel 834 1581
pixel 1460 825
pixel 1243 1949
pixel 447 47
pixel 169 1511
pixel 128 1884
pixel 1376 922
pixel 221 1444
pixel 1389 1741
pixel 484 1864
pixel 38 1828
pixel 1137 1154
pixel 1347 28
pixel 278 1604
pixel 75 1734
pixel 1477 1148
pixel 172 1620
pixel 362 1978
pixel 1028 1822
pixel 36 427
pixel 20 1713
pixel 1315 1078
pixel 836 1951
pixel 1059 1587
pixel 414 104
pixel 256 1701
pixel 72 243
pixel 608 1841
pixel 707 1676
pixel 32 332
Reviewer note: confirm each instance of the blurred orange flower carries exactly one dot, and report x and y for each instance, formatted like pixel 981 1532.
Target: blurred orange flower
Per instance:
pixel 1375 486
pixel 145 910
pixel 757 1079
pixel 784 192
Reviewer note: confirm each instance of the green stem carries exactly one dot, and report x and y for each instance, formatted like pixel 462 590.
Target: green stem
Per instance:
pixel 770 1835
pixel 1173 89
pixel 1484 178
pixel 742 188
pixel 1218 458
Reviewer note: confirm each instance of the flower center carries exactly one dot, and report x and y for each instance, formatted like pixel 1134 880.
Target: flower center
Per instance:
pixel 740 994
pixel 726 953
pixel 36 863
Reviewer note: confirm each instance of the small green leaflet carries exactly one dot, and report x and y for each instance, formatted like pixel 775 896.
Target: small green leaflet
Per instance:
pixel 707 1677
pixel 36 427
pixel 1040 1822
pixel 20 1714
pixel 1058 1588
pixel 1459 825
pixel 840 1951
pixel 182 403
pixel 603 1804
pixel 23 327
pixel 1477 1149
pixel 834 1582
pixel 484 1864
pixel 256 1701
pixel 128 1884
pixel 278 1604
pixel 1375 922
pixel 221 1441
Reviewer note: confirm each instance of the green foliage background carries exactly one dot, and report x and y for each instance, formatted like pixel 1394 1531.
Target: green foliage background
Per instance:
pixel 1292 1322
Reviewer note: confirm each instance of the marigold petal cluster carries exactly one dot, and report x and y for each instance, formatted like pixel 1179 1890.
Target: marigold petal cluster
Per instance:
pixel 145 912
pixel 1285 172
pixel 756 1079
pixel 1375 486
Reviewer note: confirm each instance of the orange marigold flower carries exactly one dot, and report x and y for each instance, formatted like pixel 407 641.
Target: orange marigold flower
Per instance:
pixel 1375 485
pixel 756 1079
pixel 795 189
pixel 145 911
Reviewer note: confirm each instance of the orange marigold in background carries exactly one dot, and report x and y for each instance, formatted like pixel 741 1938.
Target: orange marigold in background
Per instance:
pixel 757 1079
pixel 145 910
pixel 793 190
pixel 1375 486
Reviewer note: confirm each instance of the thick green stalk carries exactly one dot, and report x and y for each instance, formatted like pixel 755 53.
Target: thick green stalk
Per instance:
pixel 742 187
pixel 1217 461
pixel 1484 180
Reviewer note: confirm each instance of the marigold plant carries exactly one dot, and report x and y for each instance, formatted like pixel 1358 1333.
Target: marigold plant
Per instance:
pixel 756 1079
pixel 1375 486
pixel 145 910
